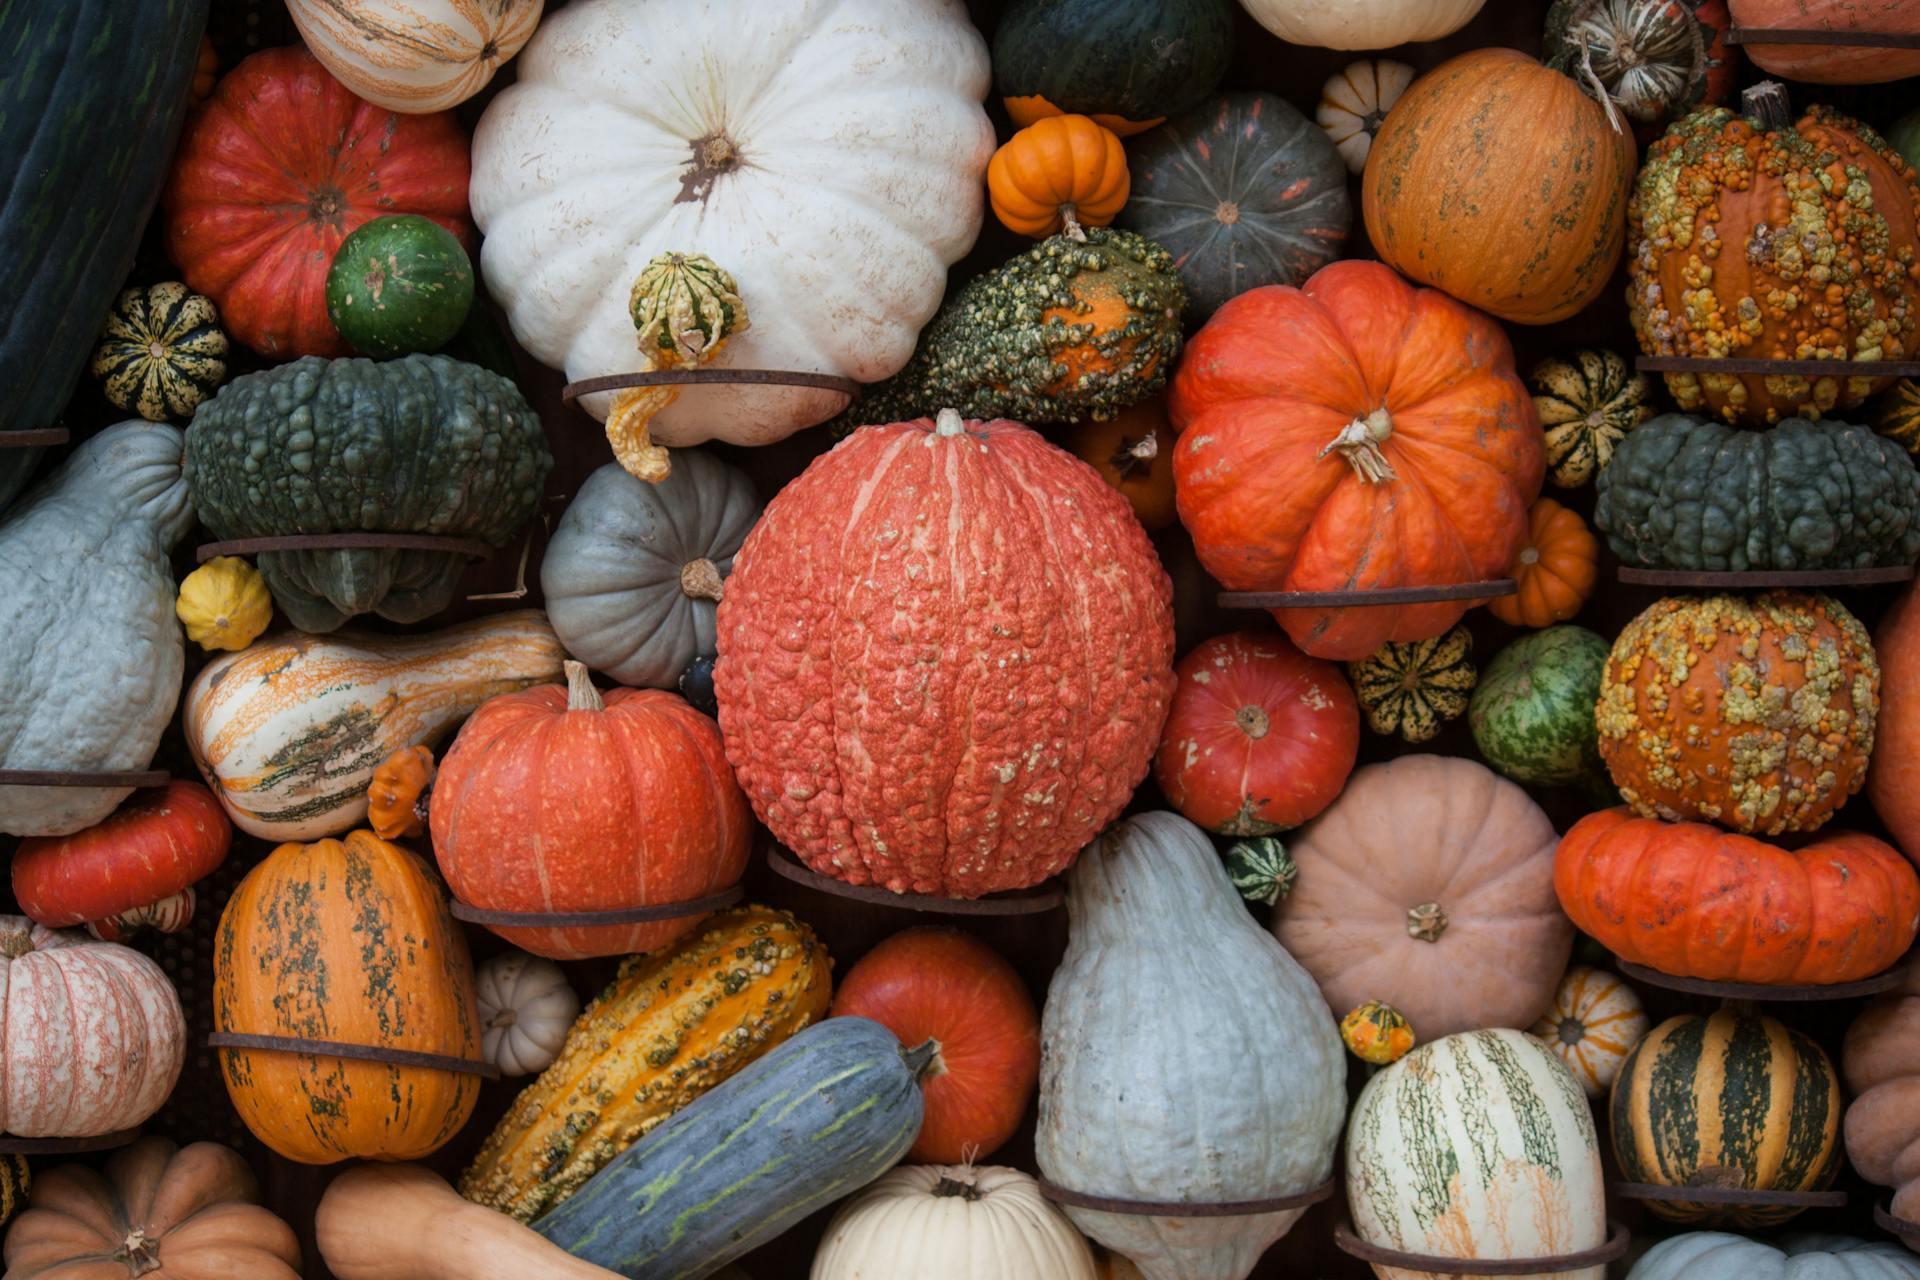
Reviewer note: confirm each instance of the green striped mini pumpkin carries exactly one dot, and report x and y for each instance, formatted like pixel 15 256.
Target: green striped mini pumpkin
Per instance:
pixel 1727 1100
pixel 162 352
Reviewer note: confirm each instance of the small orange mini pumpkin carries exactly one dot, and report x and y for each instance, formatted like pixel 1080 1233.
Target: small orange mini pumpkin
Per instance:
pixel 1060 172
pixel 397 797
pixel 1556 568
pixel 1133 452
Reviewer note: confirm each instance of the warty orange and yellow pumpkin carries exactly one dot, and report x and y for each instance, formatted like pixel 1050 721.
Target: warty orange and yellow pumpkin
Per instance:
pixel 1555 571
pixel 1060 172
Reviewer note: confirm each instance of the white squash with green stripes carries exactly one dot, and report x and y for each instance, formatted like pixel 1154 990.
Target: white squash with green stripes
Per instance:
pixel 1477 1145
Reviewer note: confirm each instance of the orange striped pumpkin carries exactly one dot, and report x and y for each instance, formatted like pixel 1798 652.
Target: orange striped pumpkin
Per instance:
pixel 1594 1022
pixel 415 56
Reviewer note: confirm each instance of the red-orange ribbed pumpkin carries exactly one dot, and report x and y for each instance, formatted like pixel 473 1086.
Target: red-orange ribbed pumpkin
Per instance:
pixel 566 800
pixel 945 657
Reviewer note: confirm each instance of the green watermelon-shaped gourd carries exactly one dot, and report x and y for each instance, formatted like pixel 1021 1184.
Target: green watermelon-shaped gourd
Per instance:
pixel 399 284
pixel 1532 714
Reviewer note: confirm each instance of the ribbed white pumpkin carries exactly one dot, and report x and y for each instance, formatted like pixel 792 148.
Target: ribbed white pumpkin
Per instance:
pixel 1362 24
pixel 1184 1056
pixel 1717 1255
pixel 828 154
pixel 948 1222
pixel 91 1033
pixel 1354 104
pixel 1477 1145
pixel 1595 1021
pixel 415 55
pixel 526 1010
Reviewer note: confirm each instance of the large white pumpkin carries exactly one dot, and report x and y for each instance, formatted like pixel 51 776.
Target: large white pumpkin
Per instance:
pixel 1716 1255
pixel 948 1222
pixel 1477 1145
pixel 828 154
pixel 415 55
pixel 1362 24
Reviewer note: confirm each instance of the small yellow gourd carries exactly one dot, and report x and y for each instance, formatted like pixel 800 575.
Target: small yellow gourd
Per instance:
pixel 1377 1033
pixel 224 604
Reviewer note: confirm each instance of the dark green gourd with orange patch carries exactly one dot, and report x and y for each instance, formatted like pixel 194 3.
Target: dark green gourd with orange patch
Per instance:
pixel 1127 63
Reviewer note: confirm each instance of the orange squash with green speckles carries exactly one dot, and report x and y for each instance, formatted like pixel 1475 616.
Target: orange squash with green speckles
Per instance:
pixel 1762 239
pixel 346 941
pixel 1756 714
pixel 672 1025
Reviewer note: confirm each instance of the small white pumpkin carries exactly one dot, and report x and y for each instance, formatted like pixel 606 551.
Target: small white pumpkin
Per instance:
pixel 952 1222
pixel 1362 24
pixel 526 1010
pixel 1718 1255
pixel 1354 103
pixel 415 56
pixel 1595 1020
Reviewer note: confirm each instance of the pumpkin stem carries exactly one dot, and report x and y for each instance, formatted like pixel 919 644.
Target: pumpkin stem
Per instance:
pixel 1597 89
pixel 1070 223
pixel 1359 443
pixel 505 1018
pixel 1135 456
pixel 924 1060
pixel 581 695
pixel 1426 921
pixel 139 1254
pixel 950 1186
pixel 949 423
pixel 700 579
pixel 17 941
pixel 1252 721
pixel 1769 108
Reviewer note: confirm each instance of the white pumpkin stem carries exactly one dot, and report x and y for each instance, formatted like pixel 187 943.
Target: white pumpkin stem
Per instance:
pixel 581 695
pixel 1598 89
pixel 948 422
pixel 701 580
pixel 1427 921
pixel 507 1017
pixel 1359 443
pixel 139 1254
pixel 1070 222
pixel 950 1186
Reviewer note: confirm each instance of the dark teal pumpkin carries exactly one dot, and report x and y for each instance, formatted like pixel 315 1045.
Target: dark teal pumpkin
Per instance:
pixel 1243 191
pixel 1128 63
pixel 399 284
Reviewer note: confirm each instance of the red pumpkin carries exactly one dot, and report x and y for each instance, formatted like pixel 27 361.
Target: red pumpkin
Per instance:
pixel 948 987
pixel 563 799
pixel 1260 737
pixel 155 845
pixel 273 173
pixel 1354 433
pixel 1893 778
pixel 945 656
pixel 1831 63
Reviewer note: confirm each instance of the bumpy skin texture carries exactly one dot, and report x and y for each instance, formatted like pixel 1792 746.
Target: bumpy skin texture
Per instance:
pixel 1688 493
pixel 1697 902
pixel 425 444
pixel 1795 245
pixel 92 656
pixel 944 659
pixel 1756 714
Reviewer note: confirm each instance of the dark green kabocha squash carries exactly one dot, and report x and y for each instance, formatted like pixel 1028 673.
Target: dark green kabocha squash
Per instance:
pixel 1070 329
pixel 424 444
pixel 1127 63
pixel 1684 492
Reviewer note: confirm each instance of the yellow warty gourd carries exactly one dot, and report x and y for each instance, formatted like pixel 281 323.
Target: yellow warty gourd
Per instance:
pixel 224 604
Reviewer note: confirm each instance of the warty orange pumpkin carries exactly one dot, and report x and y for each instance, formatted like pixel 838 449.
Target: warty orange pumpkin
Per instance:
pixel 1060 172
pixel 1354 433
pixel 1555 571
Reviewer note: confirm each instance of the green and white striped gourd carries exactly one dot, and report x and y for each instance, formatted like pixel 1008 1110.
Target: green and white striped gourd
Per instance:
pixel 1477 1145
pixel 1184 1056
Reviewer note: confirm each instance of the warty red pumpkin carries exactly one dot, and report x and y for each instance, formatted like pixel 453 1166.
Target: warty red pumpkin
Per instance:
pixel 945 657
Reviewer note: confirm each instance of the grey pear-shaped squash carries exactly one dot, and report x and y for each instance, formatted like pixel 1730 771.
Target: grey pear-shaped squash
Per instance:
pixel 90 653
pixel 634 571
pixel 1184 1056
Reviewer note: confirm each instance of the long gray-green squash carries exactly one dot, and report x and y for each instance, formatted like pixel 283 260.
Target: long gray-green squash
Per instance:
pixel 813 1121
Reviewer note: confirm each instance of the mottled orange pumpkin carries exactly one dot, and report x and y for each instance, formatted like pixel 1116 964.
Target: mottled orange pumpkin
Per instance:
pixel 1756 714
pixel 1058 172
pixel 1555 570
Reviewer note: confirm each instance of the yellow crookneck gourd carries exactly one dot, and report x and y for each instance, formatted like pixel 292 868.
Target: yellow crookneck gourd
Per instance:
pixel 684 309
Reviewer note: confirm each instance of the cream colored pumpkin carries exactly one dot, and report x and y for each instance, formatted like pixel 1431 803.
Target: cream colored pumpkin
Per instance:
pixel 952 1222
pixel 415 55
pixel 829 155
pixel 1362 24
pixel 1354 102
pixel 1595 1020
pixel 526 1010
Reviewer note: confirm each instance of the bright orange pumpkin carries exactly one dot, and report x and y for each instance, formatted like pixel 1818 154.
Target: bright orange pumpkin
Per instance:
pixel 1555 570
pixel 1058 172
pixel 1354 433
pixel 1893 781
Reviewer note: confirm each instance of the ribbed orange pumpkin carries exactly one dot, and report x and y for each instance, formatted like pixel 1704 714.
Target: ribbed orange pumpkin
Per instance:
pixel 562 799
pixel 1061 171
pixel 1894 781
pixel 1556 569
pixel 348 941
pixel 1354 433
pixel 946 651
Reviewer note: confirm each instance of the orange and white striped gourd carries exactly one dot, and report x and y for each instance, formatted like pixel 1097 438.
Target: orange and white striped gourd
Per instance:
pixel 1595 1021
pixel 415 56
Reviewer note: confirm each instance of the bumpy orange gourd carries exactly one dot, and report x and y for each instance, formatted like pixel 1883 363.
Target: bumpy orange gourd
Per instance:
pixel 1756 714
pixel 1354 433
pixel 1556 569
pixel 1762 239
pixel 349 941
pixel 1697 902
pixel 1058 172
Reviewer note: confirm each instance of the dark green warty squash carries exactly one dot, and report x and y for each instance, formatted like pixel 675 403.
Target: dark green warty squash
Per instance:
pixel 90 103
pixel 1127 63
pixel 1242 191
pixel 424 444
pixel 1684 492
pixel 1070 329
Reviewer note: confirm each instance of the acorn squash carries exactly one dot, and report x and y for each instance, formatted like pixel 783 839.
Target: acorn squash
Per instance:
pixel 1684 492
pixel 424 444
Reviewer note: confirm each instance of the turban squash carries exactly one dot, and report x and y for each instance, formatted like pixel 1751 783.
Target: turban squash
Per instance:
pixel 1354 433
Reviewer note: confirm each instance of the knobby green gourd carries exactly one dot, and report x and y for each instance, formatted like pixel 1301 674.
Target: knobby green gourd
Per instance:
pixel 812 1122
pixel 84 572
pixel 424 444
pixel 1684 492
pixel 1532 713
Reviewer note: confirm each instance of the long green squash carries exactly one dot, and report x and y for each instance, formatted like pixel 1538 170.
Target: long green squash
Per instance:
pixel 90 104
pixel 815 1120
